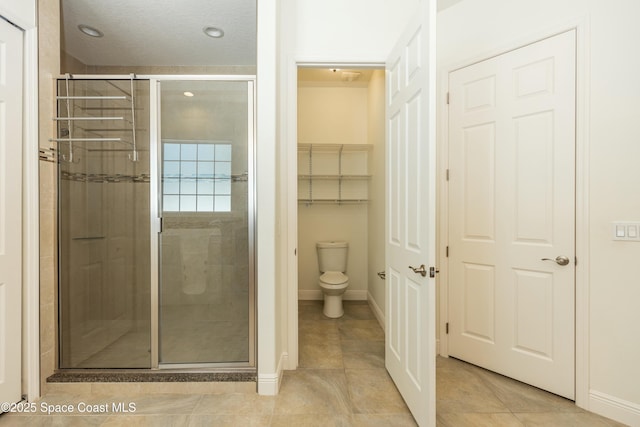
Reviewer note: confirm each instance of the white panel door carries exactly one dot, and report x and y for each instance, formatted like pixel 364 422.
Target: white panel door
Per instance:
pixel 410 216
pixel 10 211
pixel 511 195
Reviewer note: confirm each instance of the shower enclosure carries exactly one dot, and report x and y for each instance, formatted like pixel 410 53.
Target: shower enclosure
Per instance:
pixel 155 181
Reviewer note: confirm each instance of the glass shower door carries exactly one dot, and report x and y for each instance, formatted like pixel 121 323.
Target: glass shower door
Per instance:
pixel 103 224
pixel 206 243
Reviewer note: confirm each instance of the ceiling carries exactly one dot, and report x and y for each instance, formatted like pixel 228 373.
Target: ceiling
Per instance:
pixel 160 32
pixel 164 32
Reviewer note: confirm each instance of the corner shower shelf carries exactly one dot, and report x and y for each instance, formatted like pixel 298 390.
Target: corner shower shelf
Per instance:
pixel 90 134
pixel 333 173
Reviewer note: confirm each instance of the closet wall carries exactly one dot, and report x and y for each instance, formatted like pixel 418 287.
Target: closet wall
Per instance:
pixel 339 114
pixel 377 206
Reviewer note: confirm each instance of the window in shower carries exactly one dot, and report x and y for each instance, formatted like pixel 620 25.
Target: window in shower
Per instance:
pixel 196 177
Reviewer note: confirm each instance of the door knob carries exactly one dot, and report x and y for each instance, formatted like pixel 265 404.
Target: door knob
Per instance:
pixel 560 260
pixel 420 270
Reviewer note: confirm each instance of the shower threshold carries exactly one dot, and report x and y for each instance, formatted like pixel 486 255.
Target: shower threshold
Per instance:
pixel 147 376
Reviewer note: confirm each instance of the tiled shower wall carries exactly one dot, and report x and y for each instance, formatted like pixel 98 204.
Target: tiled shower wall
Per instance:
pixel 49 69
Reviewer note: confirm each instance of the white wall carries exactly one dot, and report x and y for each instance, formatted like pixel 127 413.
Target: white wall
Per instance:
pixel 466 31
pixel 21 13
pixel 270 327
pixel 352 30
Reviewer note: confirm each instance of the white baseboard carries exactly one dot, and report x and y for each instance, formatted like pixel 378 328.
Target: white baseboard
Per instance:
pixel 612 407
pixel 269 384
pixel 316 294
pixel 376 310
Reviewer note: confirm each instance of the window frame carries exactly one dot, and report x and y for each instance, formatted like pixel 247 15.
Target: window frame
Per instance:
pixel 181 180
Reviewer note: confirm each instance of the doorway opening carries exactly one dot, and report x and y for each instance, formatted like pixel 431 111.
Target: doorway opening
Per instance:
pixel 340 178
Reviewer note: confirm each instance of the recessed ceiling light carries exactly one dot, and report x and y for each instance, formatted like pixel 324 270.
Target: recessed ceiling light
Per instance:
pixel 189 94
pixel 214 32
pixel 90 31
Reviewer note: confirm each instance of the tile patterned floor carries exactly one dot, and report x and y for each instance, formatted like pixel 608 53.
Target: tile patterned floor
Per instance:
pixel 341 382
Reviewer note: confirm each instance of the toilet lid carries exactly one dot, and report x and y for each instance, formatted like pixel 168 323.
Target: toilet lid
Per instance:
pixel 334 278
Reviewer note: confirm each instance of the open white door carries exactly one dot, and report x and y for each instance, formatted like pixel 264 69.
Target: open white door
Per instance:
pixel 10 211
pixel 410 217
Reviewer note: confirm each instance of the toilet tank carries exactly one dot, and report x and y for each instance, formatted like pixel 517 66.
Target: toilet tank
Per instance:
pixel 332 256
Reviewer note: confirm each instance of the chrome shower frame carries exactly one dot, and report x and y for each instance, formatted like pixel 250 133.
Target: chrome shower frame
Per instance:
pixel 155 194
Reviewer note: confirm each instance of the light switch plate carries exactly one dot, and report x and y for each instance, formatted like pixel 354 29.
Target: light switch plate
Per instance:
pixel 628 231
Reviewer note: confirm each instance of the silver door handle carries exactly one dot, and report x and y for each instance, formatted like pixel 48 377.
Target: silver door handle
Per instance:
pixel 560 260
pixel 422 270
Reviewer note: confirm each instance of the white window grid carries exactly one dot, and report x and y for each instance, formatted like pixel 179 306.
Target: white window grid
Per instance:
pixel 196 176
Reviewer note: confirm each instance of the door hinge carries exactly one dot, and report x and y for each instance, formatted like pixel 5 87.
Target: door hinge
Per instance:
pixel 447 328
pixel 447 174
pixel 447 251
pixel 433 271
pixel 447 98
pixel 575 260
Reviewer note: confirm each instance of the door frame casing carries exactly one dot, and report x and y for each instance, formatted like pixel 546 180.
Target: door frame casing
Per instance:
pixel 30 220
pixel 25 18
pixel 581 195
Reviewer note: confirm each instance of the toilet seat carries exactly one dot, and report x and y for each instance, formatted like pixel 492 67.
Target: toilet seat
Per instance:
pixel 334 278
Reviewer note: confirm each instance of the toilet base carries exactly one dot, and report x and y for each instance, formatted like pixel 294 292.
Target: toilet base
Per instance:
pixel 333 306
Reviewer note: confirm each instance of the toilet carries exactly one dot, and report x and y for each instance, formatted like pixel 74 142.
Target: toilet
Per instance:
pixel 332 261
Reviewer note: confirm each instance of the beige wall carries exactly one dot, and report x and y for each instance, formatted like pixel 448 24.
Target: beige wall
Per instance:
pixel 608 50
pixel 377 206
pixel 177 70
pixel 332 115
pixel 49 68
pixel 72 65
